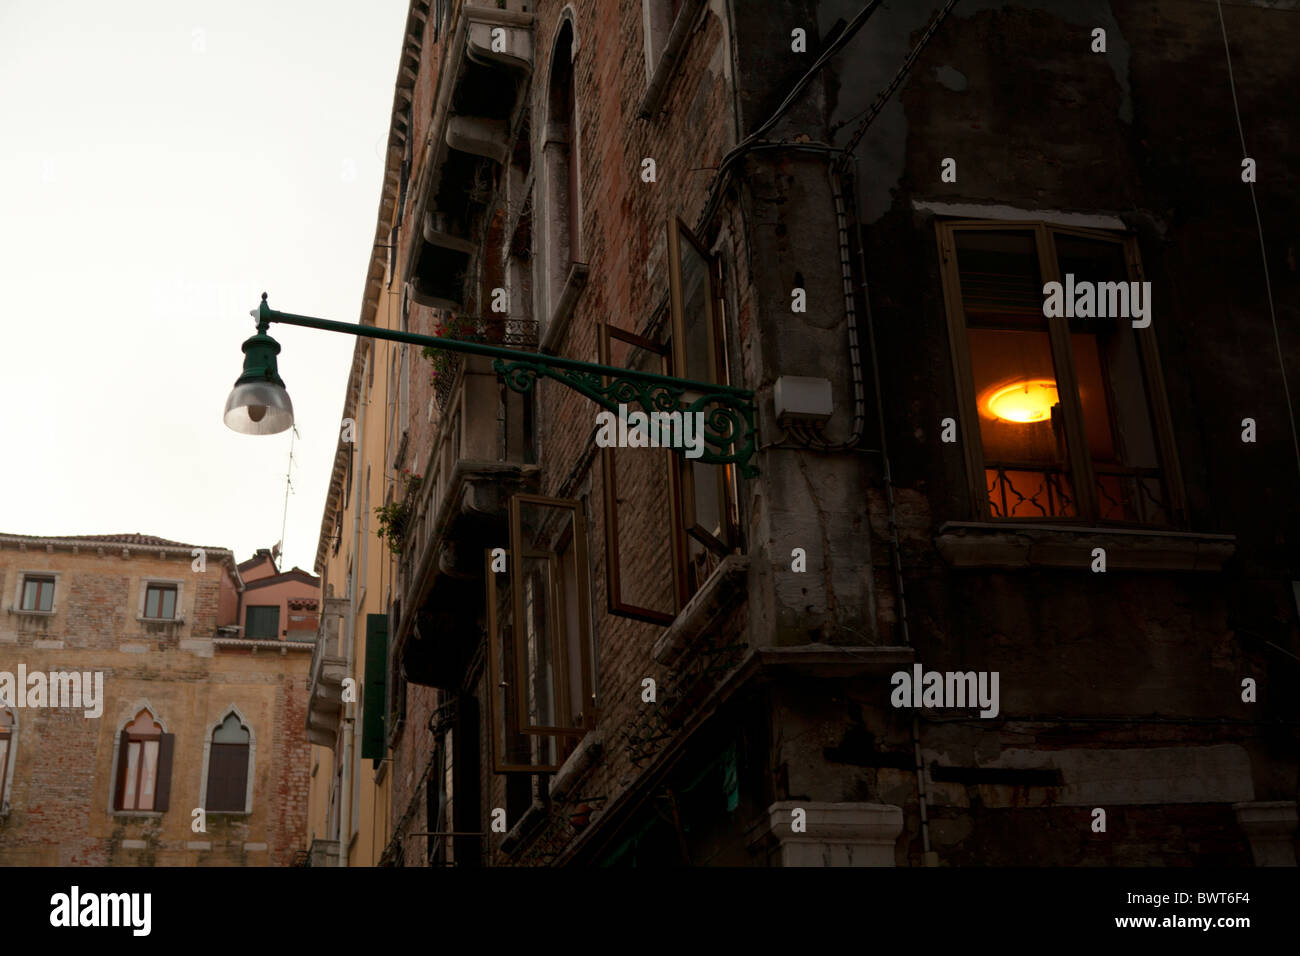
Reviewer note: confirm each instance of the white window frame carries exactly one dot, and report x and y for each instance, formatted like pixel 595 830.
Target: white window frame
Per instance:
pixel 252 763
pixel 179 611
pixel 23 575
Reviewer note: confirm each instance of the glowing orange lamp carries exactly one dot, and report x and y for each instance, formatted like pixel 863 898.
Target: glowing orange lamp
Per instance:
pixel 1022 402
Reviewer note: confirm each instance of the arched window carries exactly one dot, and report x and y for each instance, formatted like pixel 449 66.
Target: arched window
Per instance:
pixel 228 766
pixel 560 166
pixel 144 765
pixel 8 742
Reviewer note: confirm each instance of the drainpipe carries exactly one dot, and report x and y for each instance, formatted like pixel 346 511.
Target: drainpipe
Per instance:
pixel 895 549
pixel 349 707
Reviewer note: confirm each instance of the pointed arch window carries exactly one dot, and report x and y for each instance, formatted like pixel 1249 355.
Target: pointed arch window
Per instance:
pixel 229 752
pixel 144 765
pixel 8 743
pixel 560 242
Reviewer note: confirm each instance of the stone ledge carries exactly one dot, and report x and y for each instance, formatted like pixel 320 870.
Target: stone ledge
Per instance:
pixel 978 544
pixel 529 825
pixel 574 283
pixel 724 589
pixel 585 756
pixel 47 645
pixel 1270 826
pixel 835 834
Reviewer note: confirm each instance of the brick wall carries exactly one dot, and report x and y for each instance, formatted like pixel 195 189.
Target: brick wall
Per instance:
pixel 62 793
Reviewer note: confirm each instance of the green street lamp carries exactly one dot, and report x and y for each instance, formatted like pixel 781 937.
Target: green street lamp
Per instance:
pixel 259 404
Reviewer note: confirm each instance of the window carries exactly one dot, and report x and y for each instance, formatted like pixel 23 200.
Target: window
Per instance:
pixel 703 497
pixel 1064 418
pixel 8 743
pixel 560 170
pixel 38 593
pixel 374 738
pixel 144 765
pixel 438 805
pixel 262 622
pixel 160 601
pixel 708 492
pixel 541 654
pixel 229 753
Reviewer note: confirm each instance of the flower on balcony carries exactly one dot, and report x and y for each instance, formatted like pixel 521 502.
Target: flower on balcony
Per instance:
pixel 394 516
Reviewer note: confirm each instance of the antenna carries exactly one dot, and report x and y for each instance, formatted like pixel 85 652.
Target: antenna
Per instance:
pixel 288 485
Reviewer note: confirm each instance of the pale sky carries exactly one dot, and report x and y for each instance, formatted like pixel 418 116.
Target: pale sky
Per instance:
pixel 162 163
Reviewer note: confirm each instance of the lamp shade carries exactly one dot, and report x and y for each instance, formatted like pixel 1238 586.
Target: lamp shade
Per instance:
pixel 259 403
pixel 259 408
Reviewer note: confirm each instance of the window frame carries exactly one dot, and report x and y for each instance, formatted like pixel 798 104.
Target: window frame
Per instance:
pixel 573 539
pixel 42 577
pixel 9 758
pixel 163 764
pixel 682 488
pixel 1081 466
pixel 609 478
pixel 250 753
pixel 178 588
pixel 260 607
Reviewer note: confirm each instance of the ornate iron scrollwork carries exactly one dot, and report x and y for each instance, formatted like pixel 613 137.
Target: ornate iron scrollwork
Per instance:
pixel 728 412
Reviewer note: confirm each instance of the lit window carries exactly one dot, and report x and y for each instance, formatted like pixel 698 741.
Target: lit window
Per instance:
pixel 1064 417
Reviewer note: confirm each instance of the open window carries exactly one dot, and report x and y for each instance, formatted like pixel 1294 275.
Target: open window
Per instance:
pixel 144 765
pixel 541 656
pixel 701 497
pixel 1064 418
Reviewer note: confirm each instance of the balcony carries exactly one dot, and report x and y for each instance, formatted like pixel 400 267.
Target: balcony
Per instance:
pixel 329 666
pixel 477 108
pixel 322 853
pixel 479 458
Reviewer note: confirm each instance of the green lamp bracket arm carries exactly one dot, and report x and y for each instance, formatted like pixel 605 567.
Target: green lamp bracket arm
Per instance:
pixel 730 436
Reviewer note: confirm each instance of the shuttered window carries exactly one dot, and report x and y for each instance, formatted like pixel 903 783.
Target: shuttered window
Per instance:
pixel 373 740
pixel 228 768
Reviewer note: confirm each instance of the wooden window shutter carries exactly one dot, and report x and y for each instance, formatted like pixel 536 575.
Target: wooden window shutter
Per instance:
pixel 227 777
pixel 119 785
pixel 163 786
pixel 373 739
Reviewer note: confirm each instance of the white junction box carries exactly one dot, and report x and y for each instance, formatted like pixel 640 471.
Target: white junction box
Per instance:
pixel 802 398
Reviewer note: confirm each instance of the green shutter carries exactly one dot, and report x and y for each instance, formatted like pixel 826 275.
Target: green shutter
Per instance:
pixel 373 740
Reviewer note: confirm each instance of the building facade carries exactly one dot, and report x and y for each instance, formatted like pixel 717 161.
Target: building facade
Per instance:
pixel 134 700
pixel 1009 577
